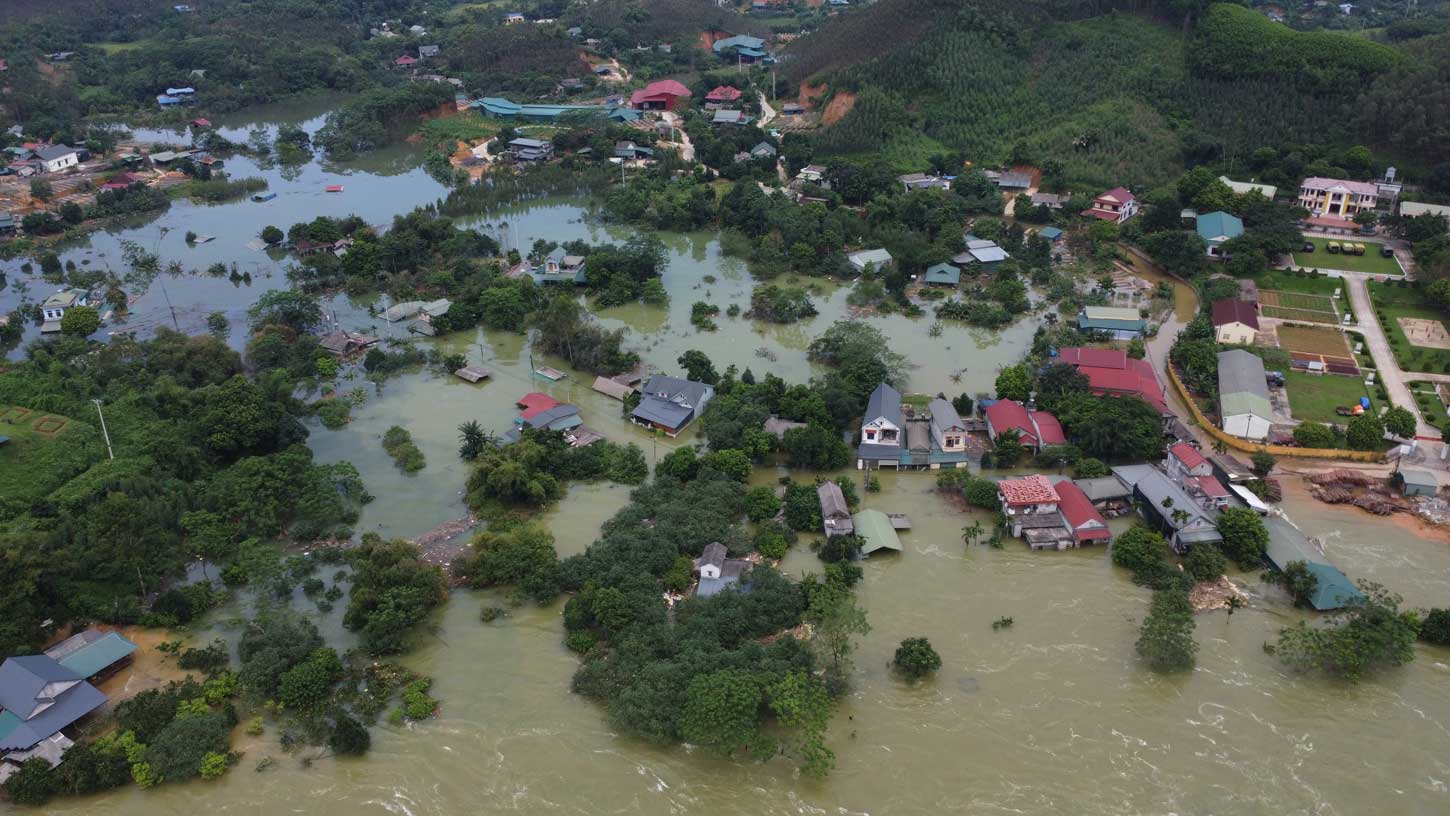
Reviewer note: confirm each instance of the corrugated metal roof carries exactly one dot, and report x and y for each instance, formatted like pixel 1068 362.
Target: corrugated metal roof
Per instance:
pixel 1241 385
pixel 876 532
pixel 98 655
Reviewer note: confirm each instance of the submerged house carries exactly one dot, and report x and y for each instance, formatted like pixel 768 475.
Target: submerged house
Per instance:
pixel 1081 518
pixel 882 429
pixel 718 571
pixel 1035 429
pixel 1118 322
pixel 835 514
pixel 559 267
pixel 53 308
pixel 1031 508
pixel 1167 506
pixel 43 695
pixel 668 404
pixel 876 259
pixel 876 532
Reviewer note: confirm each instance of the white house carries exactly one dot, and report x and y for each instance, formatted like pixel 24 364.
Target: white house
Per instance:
pixel 56 158
pixel 1243 395
pixel 882 429
pixel 1185 462
pixel 52 309
pixel 1337 198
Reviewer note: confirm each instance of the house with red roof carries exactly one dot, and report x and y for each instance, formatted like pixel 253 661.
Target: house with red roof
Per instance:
pixel 122 181
pixel 722 94
pixel 1083 520
pixel 534 403
pixel 1031 507
pixel 1112 373
pixel 405 61
pixel 1116 205
pixel 662 94
pixel 1035 429
pixel 1208 491
pixel 1185 462
pixel 1235 322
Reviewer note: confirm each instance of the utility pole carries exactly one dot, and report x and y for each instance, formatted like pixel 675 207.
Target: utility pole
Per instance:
pixel 104 432
pixel 174 323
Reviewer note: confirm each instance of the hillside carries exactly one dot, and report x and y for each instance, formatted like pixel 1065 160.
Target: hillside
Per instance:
pixel 1098 100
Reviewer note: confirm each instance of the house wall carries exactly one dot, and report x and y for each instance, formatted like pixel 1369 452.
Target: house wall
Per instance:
pixel 1247 426
pixel 56 165
pixel 709 571
pixel 1236 334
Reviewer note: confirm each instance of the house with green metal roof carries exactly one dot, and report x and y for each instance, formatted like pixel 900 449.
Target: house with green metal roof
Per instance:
pixel 876 532
pixel 942 274
pixel 1243 395
pixel 1287 544
pixel 1216 228
pixel 1120 323
pixel 1052 234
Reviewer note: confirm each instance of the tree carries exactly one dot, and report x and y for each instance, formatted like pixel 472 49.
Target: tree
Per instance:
pixel 1165 640
pixel 698 367
pixel 179 750
pixel 286 307
pixel 1089 468
pixel 34 784
pixel 1313 435
pixel 306 686
pixel 1299 581
pixel 1245 538
pixel 915 658
pixel 1365 432
pixel 1435 628
pixel 349 737
pixel 815 446
pixel 1370 634
pixel 1400 422
pixel 272 235
pixel 274 642
pixel 79 321
pixel 972 532
pixel 1015 383
pixel 1263 462
pixel 722 711
pixel 981 493
pixel 837 620
pixel 1205 563
pixel 681 463
pixel 41 189
pixel 761 503
pixel 732 463
pixel 71 213
pixel 472 439
pixel 1056 384
pixel 1137 349
pixel 217 325
pixel 1139 550
pixel 1007 448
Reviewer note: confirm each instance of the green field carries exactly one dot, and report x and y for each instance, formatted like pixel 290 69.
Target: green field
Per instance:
pixel 1429 401
pixel 1370 261
pixel 37 460
pixel 1282 280
pixel 1391 302
pixel 1311 308
pixel 1314 396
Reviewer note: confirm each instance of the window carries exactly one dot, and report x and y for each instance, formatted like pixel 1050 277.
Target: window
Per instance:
pixel 888 435
pixel 870 434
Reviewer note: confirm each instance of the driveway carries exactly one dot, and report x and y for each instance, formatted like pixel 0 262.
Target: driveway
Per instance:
pixel 767 113
pixel 1387 370
pixel 687 149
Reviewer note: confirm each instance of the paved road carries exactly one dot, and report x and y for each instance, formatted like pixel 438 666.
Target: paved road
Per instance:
pixel 1387 369
pixel 767 113
pixel 687 149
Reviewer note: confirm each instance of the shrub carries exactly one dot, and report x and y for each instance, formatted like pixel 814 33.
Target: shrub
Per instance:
pixel 915 658
pixel 1205 563
pixel 349 737
pixel 1436 627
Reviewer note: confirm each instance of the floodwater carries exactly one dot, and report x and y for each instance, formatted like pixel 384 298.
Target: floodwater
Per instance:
pixel 1053 714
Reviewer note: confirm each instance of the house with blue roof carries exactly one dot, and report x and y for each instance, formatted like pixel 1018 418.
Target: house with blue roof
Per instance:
pixel 1052 234
pixel 942 274
pixel 1216 228
pixel 42 695
pixel 740 47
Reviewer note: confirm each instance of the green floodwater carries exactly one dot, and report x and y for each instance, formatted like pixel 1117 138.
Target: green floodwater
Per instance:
pixel 1054 715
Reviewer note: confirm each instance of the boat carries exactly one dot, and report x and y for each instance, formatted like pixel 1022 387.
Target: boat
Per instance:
pixel 260 197
pixel 334 188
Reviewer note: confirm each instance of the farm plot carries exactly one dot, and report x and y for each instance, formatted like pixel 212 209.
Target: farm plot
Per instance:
pixel 1301 306
pixel 1308 345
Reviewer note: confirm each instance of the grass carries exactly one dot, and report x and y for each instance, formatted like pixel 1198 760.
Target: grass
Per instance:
pixel 1314 396
pixel 1313 308
pixel 1370 261
pixel 464 128
pixel 116 48
pixel 1393 301
pixel 1429 402
pixel 1282 280
pixel 34 463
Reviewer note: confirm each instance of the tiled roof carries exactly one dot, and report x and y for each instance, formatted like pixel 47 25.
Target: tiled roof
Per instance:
pixel 1233 310
pixel 1034 489
pixel 1079 512
pixel 1186 454
pixel 1211 486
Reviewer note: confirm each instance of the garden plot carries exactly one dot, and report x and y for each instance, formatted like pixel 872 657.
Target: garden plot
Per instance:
pixel 1301 306
pixel 1307 344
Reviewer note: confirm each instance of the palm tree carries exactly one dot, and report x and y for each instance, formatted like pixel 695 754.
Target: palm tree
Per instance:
pixel 474 439
pixel 971 533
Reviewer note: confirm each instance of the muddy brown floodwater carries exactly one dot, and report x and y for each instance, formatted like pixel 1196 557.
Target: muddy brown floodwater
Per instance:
pixel 1052 715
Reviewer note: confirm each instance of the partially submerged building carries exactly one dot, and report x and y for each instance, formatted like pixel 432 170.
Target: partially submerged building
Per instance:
pixel 668 404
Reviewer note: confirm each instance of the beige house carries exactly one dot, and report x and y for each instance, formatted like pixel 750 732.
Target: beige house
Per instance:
pixel 1235 322
pixel 1337 198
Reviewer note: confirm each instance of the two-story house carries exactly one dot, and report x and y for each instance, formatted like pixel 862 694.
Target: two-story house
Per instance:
pixel 1116 205
pixel 1185 462
pixel 882 430
pixel 1337 198
pixel 560 267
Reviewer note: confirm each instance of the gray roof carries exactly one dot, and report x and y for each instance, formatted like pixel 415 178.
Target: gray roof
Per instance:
pixel 885 402
pixel 1023 180
pixel 714 553
pixel 555 416
pixel 1241 386
pixel 944 416
pixel 671 401
pixel 1287 544
pixel 833 501
pixel 730 573
pixel 50 152
pixel 1415 476
pixel 1155 486
pixel 876 257
pixel 523 142
pixel 1104 488
pixel 41 697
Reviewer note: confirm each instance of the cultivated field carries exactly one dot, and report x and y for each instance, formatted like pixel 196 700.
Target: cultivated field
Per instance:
pixel 1307 344
pixel 1298 306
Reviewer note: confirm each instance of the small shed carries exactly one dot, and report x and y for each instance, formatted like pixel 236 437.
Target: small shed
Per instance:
pixel 1052 234
pixel 1416 482
pixel 876 532
pixel 473 374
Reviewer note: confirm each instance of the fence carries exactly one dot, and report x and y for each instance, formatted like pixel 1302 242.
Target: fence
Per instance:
pixel 1251 447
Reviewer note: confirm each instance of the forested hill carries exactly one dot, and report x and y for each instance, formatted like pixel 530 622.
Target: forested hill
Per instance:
pixel 1111 98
